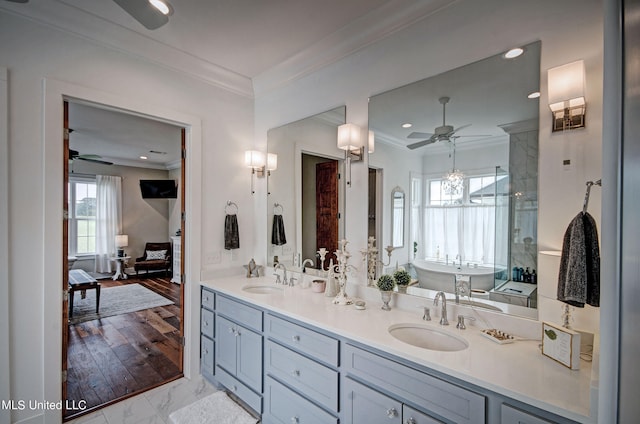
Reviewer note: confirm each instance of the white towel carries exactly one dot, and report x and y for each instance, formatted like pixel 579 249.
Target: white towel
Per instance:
pixel 217 408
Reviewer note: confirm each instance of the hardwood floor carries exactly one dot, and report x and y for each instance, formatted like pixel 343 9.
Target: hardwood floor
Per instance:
pixel 114 357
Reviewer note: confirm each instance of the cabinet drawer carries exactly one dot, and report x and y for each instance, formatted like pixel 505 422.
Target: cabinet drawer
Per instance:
pixel 208 298
pixel 511 415
pixel 207 323
pixel 252 399
pixel 308 377
pixel 442 398
pixel 285 407
pixel 239 312
pixel 309 342
pixel 411 416
pixel 365 405
pixel 206 355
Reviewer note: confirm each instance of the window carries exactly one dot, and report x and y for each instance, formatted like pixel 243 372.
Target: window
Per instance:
pixel 462 226
pixel 82 216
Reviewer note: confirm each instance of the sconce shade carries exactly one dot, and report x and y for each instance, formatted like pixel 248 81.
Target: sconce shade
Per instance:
pixel 566 95
pixel 349 137
pixel 253 159
pixel 566 83
pixel 372 142
pixel 272 161
pixel 122 240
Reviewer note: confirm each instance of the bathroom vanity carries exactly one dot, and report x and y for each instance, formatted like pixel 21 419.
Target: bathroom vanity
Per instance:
pixel 293 357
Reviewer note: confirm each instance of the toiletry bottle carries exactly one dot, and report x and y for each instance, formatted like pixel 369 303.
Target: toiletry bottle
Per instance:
pixel 438 253
pixel 526 277
pixel 520 273
pixel 514 273
pixel 534 277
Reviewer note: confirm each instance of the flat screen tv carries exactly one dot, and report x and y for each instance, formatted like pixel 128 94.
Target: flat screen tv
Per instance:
pixel 158 189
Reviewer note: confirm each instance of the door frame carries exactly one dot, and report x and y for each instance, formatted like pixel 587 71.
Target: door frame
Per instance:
pixel 54 94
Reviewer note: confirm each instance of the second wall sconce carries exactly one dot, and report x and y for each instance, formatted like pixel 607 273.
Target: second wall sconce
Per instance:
pixel 350 141
pixel 566 96
pixel 256 161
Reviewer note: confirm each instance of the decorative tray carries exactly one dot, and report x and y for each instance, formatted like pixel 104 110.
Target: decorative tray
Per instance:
pixel 497 336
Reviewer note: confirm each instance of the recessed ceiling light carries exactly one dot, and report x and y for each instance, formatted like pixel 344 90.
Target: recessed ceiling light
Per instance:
pixel 161 5
pixel 143 157
pixel 407 125
pixel 534 95
pixel 513 53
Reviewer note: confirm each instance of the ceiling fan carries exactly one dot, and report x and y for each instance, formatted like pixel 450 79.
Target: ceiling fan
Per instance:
pixel 152 14
pixel 74 154
pixel 442 133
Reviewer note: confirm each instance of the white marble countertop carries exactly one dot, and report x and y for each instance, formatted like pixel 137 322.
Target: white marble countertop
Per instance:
pixel 517 370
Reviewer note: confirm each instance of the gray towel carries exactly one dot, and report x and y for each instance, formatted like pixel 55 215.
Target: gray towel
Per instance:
pixel 231 234
pixel 277 231
pixel 579 276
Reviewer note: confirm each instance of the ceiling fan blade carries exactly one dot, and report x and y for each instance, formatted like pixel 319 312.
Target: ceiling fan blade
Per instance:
pixel 459 128
pixel 474 135
pixel 103 162
pixel 143 12
pixel 421 143
pixel 420 135
pixel 19 1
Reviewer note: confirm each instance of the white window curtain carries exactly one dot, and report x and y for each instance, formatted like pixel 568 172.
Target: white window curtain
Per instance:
pixel 467 231
pixel 108 220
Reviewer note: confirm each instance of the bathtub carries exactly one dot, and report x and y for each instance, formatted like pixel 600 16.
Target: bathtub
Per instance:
pixel 441 277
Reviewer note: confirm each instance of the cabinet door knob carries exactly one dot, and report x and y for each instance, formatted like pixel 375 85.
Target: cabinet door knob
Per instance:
pixel 296 373
pixel 234 388
pixel 295 420
pixel 392 413
pixel 296 338
pixel 410 420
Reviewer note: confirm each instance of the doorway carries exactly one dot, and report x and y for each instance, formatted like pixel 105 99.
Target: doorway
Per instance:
pixel 124 347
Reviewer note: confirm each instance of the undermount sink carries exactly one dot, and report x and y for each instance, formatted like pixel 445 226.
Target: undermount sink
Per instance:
pixel 262 289
pixel 427 337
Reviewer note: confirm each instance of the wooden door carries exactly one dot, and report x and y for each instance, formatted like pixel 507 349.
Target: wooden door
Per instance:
pixel 183 247
pixel 327 207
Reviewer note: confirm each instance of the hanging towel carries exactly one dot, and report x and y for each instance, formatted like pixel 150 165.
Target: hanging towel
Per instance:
pixel 231 234
pixel 579 276
pixel 277 231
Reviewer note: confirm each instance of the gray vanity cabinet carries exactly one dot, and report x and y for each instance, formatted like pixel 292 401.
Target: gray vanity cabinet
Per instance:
pixel 207 334
pixel 366 405
pixel 302 376
pixel 412 386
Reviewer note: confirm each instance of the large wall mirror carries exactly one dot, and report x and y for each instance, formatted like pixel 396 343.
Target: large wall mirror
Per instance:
pixel 465 145
pixel 306 195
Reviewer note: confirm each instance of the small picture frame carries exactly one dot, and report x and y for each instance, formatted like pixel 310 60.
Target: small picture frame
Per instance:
pixel 561 344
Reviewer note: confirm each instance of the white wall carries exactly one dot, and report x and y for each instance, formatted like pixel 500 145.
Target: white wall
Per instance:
pixel 463 33
pixel 220 129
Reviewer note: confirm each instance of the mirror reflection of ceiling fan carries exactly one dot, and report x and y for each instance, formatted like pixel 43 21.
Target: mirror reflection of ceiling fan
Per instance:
pixel 152 14
pixel 442 133
pixel 74 154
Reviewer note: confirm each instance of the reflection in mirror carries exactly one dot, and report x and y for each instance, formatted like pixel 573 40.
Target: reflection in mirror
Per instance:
pixel 307 189
pixel 397 217
pixel 466 143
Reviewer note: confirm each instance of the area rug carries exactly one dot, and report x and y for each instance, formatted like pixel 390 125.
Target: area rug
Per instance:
pixel 217 408
pixel 115 301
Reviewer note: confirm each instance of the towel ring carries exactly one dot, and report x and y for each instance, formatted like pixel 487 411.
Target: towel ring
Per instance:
pixel 275 208
pixel 228 205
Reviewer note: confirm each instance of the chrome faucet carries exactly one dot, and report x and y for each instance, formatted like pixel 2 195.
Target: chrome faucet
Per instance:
pixel 305 262
pixel 443 313
pixel 459 261
pixel 284 276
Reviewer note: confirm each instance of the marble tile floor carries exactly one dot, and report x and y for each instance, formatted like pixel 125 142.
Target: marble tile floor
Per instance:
pixel 153 406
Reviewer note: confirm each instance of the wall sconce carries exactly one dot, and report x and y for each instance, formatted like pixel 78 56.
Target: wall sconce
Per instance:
pixel 254 160
pixel 272 165
pixel 566 96
pixel 349 141
pixel 122 240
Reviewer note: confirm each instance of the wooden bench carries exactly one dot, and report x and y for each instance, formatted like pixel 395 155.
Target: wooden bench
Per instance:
pixel 79 280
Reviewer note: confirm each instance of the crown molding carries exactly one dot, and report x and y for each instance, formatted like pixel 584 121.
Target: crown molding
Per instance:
pixel 389 18
pixel 72 20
